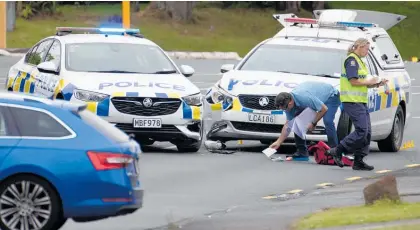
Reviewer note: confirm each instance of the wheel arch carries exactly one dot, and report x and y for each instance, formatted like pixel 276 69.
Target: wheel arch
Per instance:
pixel 10 176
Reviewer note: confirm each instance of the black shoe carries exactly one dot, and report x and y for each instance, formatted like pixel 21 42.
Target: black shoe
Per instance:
pixel 336 156
pixel 359 164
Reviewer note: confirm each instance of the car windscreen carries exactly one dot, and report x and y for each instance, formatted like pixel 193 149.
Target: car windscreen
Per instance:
pixel 296 59
pixel 117 58
pixel 104 127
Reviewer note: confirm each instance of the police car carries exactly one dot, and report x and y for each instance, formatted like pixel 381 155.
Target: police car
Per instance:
pixel 123 77
pixel 307 49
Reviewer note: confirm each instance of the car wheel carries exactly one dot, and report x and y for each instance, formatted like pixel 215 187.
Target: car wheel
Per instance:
pixel 30 203
pixel 393 142
pixel 191 145
pixel 344 126
pixel 145 142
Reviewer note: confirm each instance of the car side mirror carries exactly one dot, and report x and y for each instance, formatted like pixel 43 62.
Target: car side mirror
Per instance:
pixel 47 67
pixel 187 70
pixel 227 67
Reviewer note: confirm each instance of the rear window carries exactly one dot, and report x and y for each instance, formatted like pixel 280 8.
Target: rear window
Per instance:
pixel 104 127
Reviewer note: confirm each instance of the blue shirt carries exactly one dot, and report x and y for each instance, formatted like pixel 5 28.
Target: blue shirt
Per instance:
pixel 312 95
pixel 352 67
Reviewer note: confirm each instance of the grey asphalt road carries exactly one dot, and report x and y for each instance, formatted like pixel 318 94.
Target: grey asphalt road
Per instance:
pixel 181 186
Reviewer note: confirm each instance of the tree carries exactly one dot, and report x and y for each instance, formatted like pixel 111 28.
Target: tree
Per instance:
pixel 177 10
pixel 318 5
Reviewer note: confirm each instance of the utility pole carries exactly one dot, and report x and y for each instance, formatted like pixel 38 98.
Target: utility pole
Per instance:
pixel 3 24
pixel 126 13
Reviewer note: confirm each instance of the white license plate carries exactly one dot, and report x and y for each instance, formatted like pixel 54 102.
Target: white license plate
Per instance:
pixel 261 118
pixel 147 123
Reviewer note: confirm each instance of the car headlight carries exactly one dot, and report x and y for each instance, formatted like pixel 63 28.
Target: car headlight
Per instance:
pixel 219 95
pixel 194 100
pixel 84 95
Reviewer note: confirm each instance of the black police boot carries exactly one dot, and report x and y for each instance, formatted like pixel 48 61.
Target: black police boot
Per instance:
pixel 359 164
pixel 336 156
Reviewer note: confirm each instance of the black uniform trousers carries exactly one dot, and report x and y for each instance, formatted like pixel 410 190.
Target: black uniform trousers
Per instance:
pixel 358 141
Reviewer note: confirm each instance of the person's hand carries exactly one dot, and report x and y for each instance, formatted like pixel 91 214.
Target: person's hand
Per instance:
pixel 275 145
pixel 373 81
pixel 383 82
pixel 311 127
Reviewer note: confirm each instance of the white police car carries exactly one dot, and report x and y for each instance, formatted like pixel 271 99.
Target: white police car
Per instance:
pixel 127 80
pixel 306 49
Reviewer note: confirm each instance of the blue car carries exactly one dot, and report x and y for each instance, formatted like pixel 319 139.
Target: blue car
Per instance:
pixel 58 161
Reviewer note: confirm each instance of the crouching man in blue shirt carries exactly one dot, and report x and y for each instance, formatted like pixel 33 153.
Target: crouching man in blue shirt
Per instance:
pixel 320 97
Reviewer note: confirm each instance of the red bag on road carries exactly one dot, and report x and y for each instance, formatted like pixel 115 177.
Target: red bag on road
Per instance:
pixel 319 150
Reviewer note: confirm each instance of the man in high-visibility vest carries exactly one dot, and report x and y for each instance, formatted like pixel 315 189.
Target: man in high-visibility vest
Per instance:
pixel 354 98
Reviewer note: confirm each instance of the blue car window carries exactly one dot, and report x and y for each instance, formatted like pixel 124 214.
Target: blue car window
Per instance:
pixel 32 123
pixel 7 123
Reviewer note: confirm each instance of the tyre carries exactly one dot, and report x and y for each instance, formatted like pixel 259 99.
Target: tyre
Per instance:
pixel 191 145
pixel 145 142
pixel 344 126
pixel 30 203
pixel 394 140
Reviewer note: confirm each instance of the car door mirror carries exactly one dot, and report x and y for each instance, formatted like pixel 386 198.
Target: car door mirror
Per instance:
pixel 187 70
pixel 47 67
pixel 226 67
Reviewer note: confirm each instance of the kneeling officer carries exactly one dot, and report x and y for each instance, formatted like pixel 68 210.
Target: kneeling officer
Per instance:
pixel 320 97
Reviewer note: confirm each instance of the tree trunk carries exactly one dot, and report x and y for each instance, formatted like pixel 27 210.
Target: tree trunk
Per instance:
pixel 136 6
pixel 293 7
pixel 318 5
pixel 280 5
pixel 177 10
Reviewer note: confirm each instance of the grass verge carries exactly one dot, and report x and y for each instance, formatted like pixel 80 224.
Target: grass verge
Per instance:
pixel 213 29
pixel 381 211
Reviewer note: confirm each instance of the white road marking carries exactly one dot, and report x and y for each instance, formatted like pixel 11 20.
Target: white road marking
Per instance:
pixel 416 93
pixel 416 117
pixel 415 86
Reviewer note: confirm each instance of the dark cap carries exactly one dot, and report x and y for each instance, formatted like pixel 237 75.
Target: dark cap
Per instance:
pixel 282 99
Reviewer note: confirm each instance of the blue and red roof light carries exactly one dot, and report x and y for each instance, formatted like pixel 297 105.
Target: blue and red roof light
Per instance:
pixel 118 31
pixel 327 23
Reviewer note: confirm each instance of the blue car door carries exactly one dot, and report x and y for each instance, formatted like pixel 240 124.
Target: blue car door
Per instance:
pixel 9 137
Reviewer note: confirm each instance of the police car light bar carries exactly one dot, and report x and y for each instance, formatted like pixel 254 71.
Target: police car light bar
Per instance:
pixel 97 30
pixel 301 20
pixel 328 24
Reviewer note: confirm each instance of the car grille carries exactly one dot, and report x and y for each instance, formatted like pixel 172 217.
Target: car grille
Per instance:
pixel 134 106
pixel 252 102
pixel 255 127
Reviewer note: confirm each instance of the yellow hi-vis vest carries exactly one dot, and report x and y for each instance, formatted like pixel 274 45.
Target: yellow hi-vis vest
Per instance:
pixel 348 92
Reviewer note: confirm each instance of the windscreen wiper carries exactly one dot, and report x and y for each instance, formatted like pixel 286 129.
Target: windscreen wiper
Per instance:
pixel 291 72
pixel 326 75
pixel 113 71
pixel 165 72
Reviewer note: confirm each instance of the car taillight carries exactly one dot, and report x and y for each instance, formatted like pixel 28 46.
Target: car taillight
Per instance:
pixel 106 161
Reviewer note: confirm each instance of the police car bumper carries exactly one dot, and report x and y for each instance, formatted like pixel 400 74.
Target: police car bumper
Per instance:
pixel 167 122
pixel 225 130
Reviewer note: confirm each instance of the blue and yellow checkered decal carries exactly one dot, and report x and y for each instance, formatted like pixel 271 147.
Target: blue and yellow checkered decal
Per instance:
pixel 397 93
pixel 23 82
